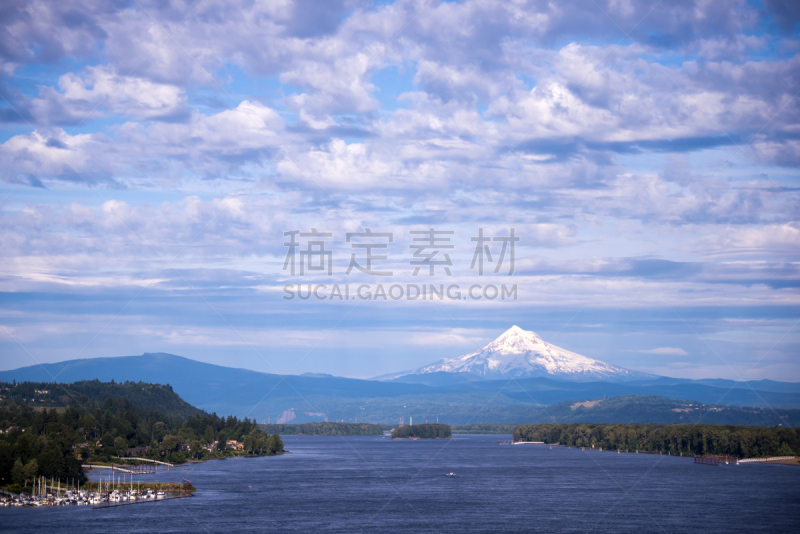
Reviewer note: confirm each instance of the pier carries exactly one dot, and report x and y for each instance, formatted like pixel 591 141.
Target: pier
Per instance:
pixel 148 460
pixel 143 466
pixel 112 499
pixel 128 469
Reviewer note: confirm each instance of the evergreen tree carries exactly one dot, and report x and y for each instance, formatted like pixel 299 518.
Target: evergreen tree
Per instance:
pixel 274 444
pixel 18 472
pixel 30 471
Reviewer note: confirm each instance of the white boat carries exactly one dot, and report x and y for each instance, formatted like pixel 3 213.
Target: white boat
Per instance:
pixel 450 474
pixel 160 495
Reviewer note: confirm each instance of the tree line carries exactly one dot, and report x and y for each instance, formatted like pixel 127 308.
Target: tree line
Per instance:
pixel 742 441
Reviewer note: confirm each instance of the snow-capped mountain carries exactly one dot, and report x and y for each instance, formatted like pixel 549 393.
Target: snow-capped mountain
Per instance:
pixel 520 353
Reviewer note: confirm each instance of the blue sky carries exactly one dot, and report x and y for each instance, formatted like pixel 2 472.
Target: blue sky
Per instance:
pixel 153 154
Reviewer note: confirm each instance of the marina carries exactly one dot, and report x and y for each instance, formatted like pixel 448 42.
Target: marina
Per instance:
pixel 108 492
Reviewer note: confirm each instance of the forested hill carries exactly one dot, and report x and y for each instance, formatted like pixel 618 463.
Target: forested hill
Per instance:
pixel 101 422
pixel 654 409
pixel 90 394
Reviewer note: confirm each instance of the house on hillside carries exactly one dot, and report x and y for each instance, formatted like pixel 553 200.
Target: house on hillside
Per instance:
pixel 138 451
pixel 235 445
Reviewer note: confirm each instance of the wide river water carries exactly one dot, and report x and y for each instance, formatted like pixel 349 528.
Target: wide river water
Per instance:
pixel 371 484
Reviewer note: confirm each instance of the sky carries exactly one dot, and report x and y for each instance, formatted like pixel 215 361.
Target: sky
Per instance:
pixel 164 165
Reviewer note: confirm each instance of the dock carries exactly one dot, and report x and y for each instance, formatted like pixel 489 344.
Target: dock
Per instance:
pixel 114 499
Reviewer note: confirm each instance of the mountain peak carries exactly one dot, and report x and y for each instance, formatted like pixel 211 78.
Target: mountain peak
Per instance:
pixel 522 353
pixel 515 340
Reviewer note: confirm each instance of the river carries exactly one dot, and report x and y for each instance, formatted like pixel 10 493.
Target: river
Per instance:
pixel 371 484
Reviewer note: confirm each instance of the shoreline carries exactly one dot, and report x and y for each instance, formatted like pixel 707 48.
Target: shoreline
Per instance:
pixel 94 485
pixel 763 461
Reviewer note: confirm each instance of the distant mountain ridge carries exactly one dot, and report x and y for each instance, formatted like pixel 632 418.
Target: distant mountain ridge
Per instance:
pixel 641 409
pixel 264 396
pixel 519 353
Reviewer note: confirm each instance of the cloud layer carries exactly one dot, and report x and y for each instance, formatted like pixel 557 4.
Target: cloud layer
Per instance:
pixel 645 152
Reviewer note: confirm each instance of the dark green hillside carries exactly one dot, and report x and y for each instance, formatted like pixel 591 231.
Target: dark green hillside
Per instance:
pixel 742 441
pixel 426 431
pixel 55 434
pixel 92 393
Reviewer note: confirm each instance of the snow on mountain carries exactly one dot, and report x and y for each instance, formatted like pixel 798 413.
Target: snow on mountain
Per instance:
pixel 520 353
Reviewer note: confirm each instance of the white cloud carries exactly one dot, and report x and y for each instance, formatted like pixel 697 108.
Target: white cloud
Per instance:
pixel 148 154
pixel 773 238
pixel 53 152
pixel 102 89
pixel 666 351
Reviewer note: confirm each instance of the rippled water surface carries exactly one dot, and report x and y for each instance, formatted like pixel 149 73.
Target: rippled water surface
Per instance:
pixel 372 484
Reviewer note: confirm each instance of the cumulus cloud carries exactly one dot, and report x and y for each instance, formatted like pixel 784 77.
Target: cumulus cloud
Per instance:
pixel 102 89
pixel 51 152
pixel 149 154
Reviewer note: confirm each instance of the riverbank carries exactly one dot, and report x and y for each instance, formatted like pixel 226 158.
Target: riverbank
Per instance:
pixel 795 460
pixel 167 487
pixel 208 456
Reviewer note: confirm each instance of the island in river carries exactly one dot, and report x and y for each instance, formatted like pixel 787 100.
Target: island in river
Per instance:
pixel 426 431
